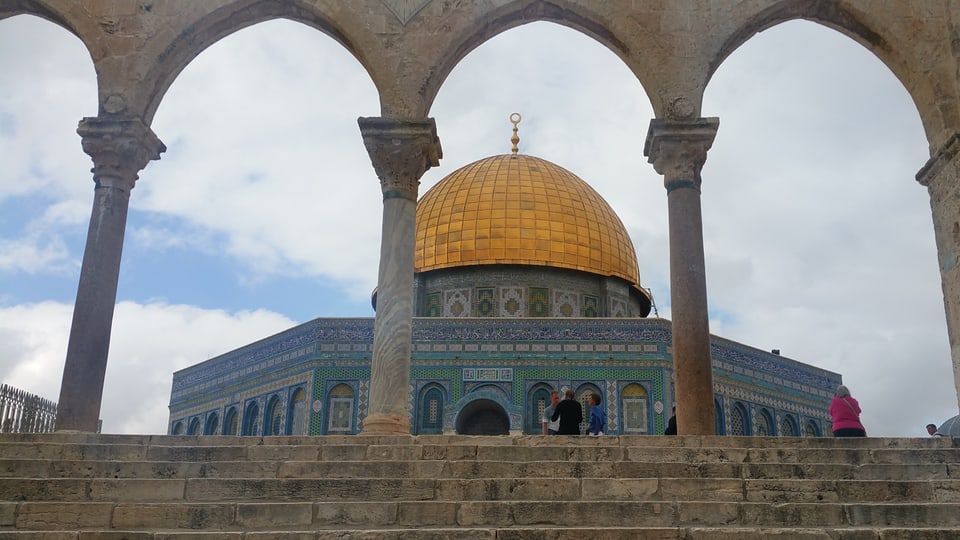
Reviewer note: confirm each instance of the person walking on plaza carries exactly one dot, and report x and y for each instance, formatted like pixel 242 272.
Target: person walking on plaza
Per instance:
pixel 598 416
pixel 570 414
pixel 845 413
pixel 550 427
pixel 932 431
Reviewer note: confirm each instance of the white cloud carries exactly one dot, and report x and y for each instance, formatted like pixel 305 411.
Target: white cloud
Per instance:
pixel 148 343
pixel 818 240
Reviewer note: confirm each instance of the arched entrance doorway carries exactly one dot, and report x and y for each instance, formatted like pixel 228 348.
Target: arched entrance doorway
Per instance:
pixel 483 417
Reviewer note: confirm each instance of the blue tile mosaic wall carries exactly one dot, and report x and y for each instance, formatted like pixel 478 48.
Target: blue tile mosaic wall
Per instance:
pixel 606 352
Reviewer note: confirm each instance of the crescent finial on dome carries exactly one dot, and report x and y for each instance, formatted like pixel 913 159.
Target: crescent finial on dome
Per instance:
pixel 515 119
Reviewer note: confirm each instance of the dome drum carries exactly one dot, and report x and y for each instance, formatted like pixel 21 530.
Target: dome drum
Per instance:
pixel 524 291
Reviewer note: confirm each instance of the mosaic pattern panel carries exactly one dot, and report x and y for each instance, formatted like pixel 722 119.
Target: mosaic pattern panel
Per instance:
pixel 618 308
pixel 486 303
pixel 457 303
pixel 511 302
pixel 591 306
pixel 539 302
pixel 434 307
pixel 565 304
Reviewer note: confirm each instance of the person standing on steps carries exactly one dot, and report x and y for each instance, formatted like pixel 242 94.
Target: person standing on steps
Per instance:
pixel 570 414
pixel 550 427
pixel 598 416
pixel 845 414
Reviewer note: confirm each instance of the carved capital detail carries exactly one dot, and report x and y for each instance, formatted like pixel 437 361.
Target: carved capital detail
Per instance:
pixel 939 160
pixel 120 148
pixel 678 149
pixel 401 151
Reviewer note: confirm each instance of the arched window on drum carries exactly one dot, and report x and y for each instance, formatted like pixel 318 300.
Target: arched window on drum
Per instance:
pixel 635 410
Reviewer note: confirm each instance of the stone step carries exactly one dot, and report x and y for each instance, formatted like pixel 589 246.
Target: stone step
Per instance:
pixel 580 452
pixel 483 489
pixel 47 468
pixel 225 516
pixel 516 533
pixel 688 441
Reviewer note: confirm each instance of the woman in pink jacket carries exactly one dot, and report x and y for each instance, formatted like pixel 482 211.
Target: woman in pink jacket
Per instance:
pixel 845 412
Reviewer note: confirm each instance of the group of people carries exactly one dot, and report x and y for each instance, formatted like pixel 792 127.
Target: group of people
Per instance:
pixel 564 417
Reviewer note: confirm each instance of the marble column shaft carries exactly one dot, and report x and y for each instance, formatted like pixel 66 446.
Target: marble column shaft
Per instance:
pixel 120 148
pixel 400 151
pixel 941 176
pixel 678 150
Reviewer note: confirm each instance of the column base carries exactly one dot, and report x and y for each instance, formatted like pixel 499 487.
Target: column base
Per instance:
pixel 386 424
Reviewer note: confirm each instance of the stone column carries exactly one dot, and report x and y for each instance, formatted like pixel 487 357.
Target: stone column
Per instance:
pixel 401 151
pixel 941 176
pixel 120 148
pixel 677 150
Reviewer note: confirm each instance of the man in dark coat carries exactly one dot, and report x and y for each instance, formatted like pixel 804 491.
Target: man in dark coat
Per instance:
pixel 570 414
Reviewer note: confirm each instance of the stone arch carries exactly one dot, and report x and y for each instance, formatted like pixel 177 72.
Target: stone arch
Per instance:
pixel 847 22
pixel 575 16
pixel 273 418
pixel 297 412
pixel 212 423
pixel 252 424
pixel 231 422
pixel 764 425
pixel 229 19
pixel 739 420
pixel 341 409
pixel 194 427
pixel 788 426
pixel 177 428
pixel 538 399
pixel 430 409
pixel 483 417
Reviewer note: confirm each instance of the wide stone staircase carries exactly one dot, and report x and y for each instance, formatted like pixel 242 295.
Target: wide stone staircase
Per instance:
pixel 84 486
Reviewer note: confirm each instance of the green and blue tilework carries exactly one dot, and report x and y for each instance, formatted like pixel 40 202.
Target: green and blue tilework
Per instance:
pixel 539 302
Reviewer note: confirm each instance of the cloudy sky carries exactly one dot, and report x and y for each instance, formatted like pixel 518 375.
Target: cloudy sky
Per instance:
pixel 265 212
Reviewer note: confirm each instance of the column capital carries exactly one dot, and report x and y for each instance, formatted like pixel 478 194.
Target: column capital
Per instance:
pixel 678 149
pixel 120 148
pixel 938 161
pixel 401 151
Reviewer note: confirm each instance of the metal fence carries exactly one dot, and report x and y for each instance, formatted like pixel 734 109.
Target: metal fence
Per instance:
pixel 23 412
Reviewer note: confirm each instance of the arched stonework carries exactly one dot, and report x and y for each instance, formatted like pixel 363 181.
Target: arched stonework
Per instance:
pixel 673 48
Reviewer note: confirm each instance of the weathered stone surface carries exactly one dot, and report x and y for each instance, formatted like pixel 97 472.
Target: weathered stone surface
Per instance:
pixel 127 489
pixel 58 516
pixel 274 515
pixel 331 515
pixel 591 489
pixel 170 516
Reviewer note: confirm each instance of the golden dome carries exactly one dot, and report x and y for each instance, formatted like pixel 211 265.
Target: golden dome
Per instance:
pixel 518 209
